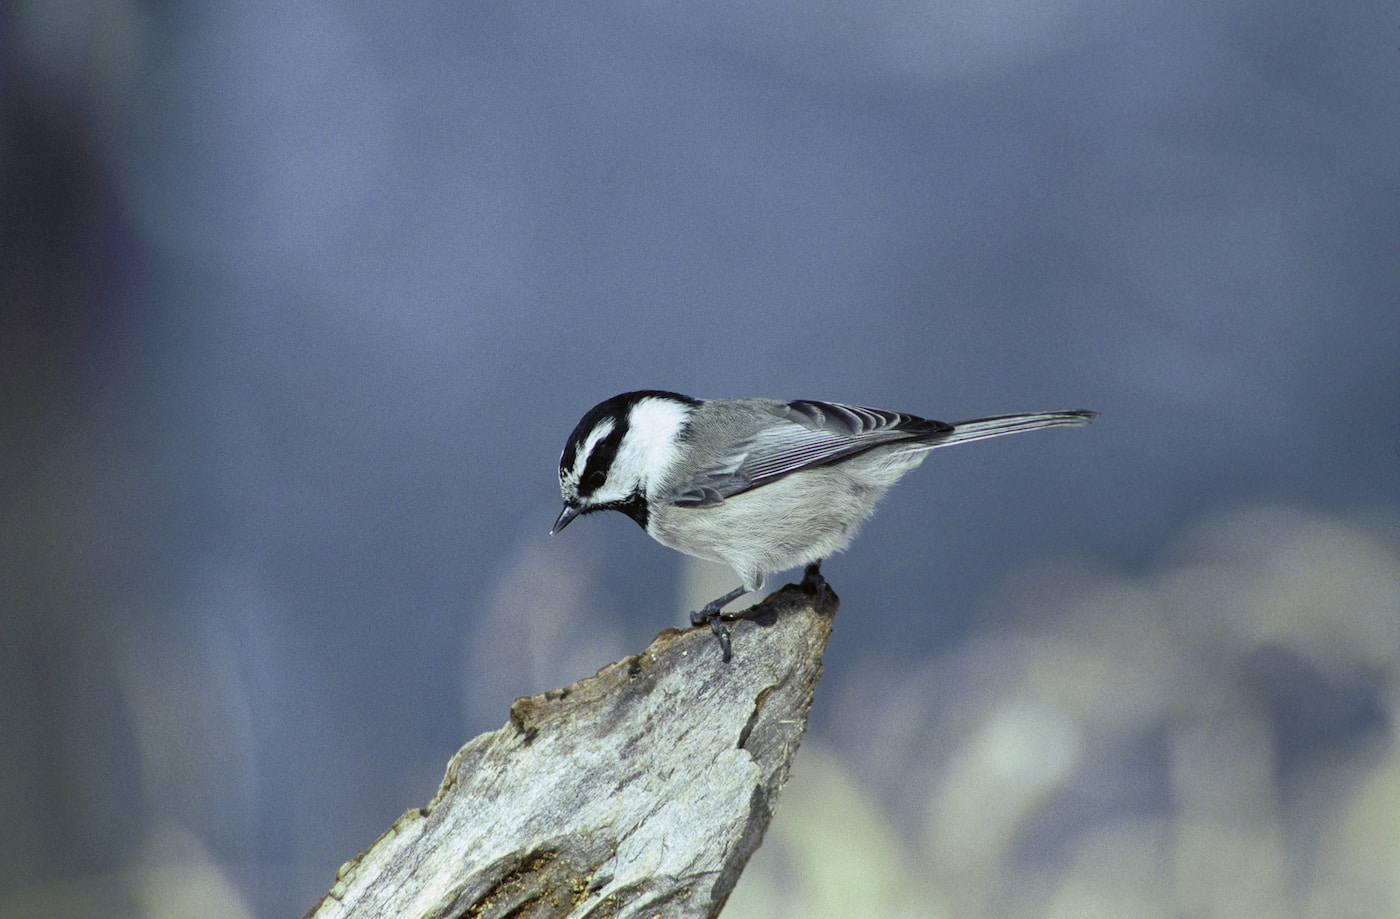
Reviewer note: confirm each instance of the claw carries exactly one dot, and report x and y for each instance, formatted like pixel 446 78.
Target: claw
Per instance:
pixel 723 635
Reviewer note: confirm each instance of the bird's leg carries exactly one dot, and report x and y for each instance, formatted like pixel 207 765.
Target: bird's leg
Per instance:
pixel 710 613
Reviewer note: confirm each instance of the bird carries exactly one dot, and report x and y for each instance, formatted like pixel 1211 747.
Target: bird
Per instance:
pixel 762 485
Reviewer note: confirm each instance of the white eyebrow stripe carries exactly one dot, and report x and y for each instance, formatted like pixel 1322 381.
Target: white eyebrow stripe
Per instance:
pixel 603 429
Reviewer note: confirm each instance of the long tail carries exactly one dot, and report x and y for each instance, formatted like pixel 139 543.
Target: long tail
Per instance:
pixel 980 428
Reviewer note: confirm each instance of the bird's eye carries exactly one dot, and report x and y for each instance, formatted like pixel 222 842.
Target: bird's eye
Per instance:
pixel 596 478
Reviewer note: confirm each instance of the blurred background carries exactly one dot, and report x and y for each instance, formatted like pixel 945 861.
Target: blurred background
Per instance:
pixel 298 303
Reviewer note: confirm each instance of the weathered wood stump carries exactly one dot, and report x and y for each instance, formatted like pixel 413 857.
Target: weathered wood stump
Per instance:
pixel 639 792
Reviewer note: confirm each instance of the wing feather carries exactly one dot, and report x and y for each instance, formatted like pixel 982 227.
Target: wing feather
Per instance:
pixel 802 435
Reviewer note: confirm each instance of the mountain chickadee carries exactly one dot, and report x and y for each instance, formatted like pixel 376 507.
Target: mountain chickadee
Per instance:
pixel 759 484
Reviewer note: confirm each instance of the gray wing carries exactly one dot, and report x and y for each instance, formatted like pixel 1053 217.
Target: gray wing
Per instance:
pixel 801 435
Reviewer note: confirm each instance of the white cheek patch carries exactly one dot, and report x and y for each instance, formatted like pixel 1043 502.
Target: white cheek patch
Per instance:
pixel 651 439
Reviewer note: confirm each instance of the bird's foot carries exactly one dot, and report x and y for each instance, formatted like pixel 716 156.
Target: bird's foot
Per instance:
pixel 711 614
pixel 813 581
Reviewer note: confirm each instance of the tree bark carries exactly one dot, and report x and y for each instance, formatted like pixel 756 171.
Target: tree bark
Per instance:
pixel 638 792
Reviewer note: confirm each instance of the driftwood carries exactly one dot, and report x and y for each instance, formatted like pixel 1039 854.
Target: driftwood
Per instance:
pixel 639 792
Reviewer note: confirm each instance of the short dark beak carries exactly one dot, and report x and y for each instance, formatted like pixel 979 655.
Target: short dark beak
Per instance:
pixel 566 516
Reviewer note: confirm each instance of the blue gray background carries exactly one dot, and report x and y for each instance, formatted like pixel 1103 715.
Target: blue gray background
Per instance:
pixel 302 300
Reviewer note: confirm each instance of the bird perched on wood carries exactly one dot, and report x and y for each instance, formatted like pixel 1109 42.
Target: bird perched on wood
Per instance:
pixel 761 485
